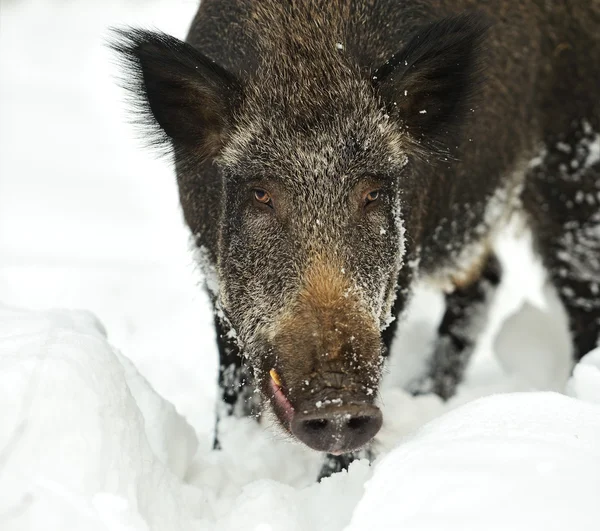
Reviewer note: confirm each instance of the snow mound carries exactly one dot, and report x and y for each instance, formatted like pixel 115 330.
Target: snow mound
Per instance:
pixel 521 461
pixel 85 443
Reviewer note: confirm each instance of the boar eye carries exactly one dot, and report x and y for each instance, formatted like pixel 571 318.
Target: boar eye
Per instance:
pixel 263 197
pixel 371 197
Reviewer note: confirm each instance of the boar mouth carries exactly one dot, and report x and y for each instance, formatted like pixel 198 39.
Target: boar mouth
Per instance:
pixel 332 426
pixel 281 404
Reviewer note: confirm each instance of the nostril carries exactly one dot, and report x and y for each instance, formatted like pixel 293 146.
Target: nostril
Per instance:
pixel 358 423
pixel 337 429
pixel 315 424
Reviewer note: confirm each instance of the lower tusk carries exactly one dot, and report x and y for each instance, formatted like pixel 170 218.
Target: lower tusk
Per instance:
pixel 275 377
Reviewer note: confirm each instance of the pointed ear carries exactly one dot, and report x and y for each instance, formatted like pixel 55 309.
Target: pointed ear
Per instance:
pixel 186 98
pixel 430 82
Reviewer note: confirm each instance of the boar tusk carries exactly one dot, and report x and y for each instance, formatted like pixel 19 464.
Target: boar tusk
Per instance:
pixel 275 377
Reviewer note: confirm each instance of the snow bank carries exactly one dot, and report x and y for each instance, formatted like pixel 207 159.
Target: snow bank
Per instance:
pixel 522 461
pixel 85 442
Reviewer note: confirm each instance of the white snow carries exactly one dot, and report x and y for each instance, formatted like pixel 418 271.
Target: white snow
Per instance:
pixel 515 461
pixel 86 441
pixel 109 426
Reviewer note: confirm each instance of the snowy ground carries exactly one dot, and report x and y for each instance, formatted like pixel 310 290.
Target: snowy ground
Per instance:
pixel 93 437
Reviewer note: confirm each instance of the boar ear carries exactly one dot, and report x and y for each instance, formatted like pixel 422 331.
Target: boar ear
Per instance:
pixel 183 96
pixel 430 82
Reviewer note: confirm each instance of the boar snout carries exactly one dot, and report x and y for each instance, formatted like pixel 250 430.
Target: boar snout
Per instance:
pixel 326 359
pixel 337 428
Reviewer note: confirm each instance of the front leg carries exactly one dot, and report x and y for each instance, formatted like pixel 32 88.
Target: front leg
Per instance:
pixel 467 309
pixel 235 387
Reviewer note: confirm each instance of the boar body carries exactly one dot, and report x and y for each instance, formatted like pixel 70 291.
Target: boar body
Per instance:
pixel 331 153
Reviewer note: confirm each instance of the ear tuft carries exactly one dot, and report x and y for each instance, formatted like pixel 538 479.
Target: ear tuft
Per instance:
pixel 430 83
pixel 185 99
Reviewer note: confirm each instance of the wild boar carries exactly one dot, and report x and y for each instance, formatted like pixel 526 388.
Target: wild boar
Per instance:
pixel 331 153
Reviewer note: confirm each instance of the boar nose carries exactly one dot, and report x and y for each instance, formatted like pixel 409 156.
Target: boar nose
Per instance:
pixel 337 429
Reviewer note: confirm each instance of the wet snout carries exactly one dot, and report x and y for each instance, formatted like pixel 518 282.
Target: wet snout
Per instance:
pixel 328 363
pixel 337 429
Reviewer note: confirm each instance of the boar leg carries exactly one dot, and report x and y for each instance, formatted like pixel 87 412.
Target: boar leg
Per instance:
pixel 466 314
pixel 562 198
